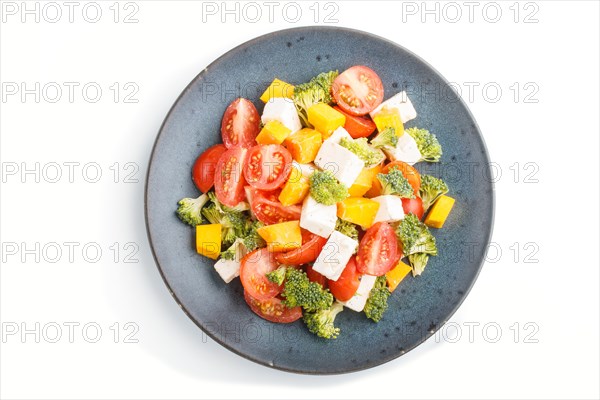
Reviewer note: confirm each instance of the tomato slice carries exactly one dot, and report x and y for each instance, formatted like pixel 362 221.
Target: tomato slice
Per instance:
pixel 229 180
pixel 273 309
pixel 240 124
pixel 409 172
pixel 358 90
pixel 268 210
pixel 378 250
pixel 347 284
pixel 310 250
pixel 314 276
pixel 253 270
pixel 203 171
pixel 357 127
pixel 268 166
pixel 414 206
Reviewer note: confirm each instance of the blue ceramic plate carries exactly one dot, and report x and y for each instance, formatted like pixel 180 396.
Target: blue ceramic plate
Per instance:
pixel 420 305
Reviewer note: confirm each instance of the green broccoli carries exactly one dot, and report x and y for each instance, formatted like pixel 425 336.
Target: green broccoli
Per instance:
pixel 394 182
pixel 277 276
pixel 363 150
pixel 377 302
pixel 347 228
pixel 300 291
pixel 236 251
pixel 252 240
pixel 234 224
pixel 326 189
pixel 428 145
pixel 190 210
pixel 431 189
pixel 417 242
pixel 385 138
pixel 321 322
pixel 318 90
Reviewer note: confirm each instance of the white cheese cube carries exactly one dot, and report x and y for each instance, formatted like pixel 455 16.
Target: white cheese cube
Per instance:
pixel 305 169
pixel 344 164
pixel 400 102
pixel 335 255
pixel 318 218
pixel 390 208
pixel 337 135
pixel 406 150
pixel 283 110
pixel 228 269
pixel 358 301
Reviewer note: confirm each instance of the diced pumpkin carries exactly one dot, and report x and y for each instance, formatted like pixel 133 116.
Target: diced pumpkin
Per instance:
pixel 358 210
pixel 439 212
pixel 282 237
pixel 363 183
pixel 395 276
pixel 295 189
pixel 389 118
pixel 325 118
pixel 208 240
pixel 304 145
pixel 278 88
pixel 376 188
pixel 274 132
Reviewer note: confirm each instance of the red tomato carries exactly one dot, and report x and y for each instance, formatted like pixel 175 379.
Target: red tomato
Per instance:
pixel 314 276
pixel 268 166
pixel 409 172
pixel 358 90
pixel 347 284
pixel 378 250
pixel 203 171
pixel 268 210
pixel 229 180
pixel 357 127
pixel 240 124
pixel 311 247
pixel 253 270
pixel 273 309
pixel 414 206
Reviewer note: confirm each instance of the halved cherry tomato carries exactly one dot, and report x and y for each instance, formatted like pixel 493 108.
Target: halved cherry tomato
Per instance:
pixel 268 166
pixel 314 276
pixel 203 171
pixel 347 284
pixel 357 127
pixel 229 179
pixel 358 90
pixel 409 172
pixel 253 270
pixel 311 247
pixel 273 309
pixel 268 210
pixel 378 250
pixel 414 206
pixel 240 124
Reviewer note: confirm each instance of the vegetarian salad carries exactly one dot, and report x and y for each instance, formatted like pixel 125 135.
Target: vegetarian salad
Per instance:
pixel 315 204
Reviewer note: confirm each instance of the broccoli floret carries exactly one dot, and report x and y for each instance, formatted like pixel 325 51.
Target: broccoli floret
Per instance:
pixel 321 322
pixel 252 240
pixel 325 189
pixel 428 145
pixel 431 189
pixel 318 90
pixel 394 182
pixel 385 138
pixel 417 242
pixel 277 276
pixel 190 210
pixel 300 291
pixel 236 251
pixel 347 228
pixel 363 150
pixel 377 302
pixel 234 224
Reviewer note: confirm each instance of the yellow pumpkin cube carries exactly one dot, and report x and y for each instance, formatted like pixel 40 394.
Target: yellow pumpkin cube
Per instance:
pixel 278 88
pixel 397 274
pixel 439 212
pixel 325 118
pixel 389 118
pixel 363 183
pixel 295 189
pixel 304 145
pixel 274 132
pixel 208 240
pixel 282 237
pixel 358 210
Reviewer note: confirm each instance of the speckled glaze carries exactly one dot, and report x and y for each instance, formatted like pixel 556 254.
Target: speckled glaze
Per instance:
pixel 420 305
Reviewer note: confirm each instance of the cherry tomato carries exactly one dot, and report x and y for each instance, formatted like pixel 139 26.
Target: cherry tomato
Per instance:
pixel 358 90
pixel 268 210
pixel 414 206
pixel 273 309
pixel 267 166
pixel 253 270
pixel 203 171
pixel 409 172
pixel 314 276
pixel 378 250
pixel 347 284
pixel 357 127
pixel 240 124
pixel 311 247
pixel 229 180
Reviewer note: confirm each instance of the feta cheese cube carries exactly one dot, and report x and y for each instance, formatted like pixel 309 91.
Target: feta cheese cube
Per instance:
pixel 344 164
pixel 228 269
pixel 318 218
pixel 358 301
pixel 337 135
pixel 390 208
pixel 282 110
pixel 406 150
pixel 402 103
pixel 335 255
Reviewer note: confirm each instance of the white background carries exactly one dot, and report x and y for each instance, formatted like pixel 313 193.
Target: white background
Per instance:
pixel 545 306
